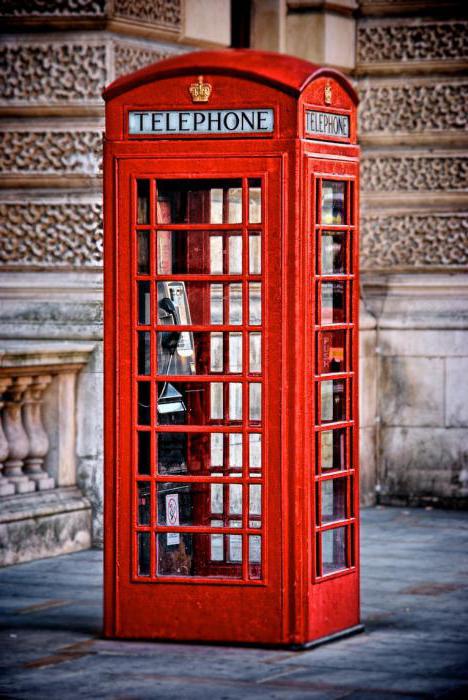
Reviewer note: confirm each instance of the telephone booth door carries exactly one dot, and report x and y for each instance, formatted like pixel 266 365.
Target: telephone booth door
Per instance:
pixel 198 502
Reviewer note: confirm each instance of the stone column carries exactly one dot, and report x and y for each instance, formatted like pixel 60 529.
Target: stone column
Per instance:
pixel 38 440
pixel 6 488
pixel 16 436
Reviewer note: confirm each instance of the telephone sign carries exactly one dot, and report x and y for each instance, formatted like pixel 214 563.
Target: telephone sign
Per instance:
pixel 231 317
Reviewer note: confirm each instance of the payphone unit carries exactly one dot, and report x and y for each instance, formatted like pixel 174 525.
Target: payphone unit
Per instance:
pixel 231 301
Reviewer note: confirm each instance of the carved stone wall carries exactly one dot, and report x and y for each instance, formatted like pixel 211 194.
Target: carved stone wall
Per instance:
pixel 51 235
pixel 52 72
pixel 414 106
pixel 45 8
pixel 429 41
pixel 165 12
pixel 415 241
pixel 411 173
pixel 128 57
pixel 51 152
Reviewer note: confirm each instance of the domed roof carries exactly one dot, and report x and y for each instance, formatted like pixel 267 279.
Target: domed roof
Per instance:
pixel 283 72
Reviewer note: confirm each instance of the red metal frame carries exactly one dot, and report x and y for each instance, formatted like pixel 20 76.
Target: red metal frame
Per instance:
pixel 289 599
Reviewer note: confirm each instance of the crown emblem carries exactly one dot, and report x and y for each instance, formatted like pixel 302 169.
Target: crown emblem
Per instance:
pixel 200 91
pixel 328 94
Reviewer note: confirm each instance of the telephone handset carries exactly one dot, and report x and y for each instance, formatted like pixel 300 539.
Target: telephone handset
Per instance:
pixel 175 348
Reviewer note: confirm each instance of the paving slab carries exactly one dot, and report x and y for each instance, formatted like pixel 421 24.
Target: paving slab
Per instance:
pixel 414 606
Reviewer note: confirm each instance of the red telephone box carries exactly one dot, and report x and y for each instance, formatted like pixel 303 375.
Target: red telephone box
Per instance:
pixel 231 318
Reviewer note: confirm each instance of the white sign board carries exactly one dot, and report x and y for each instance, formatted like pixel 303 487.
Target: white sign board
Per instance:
pixel 172 517
pixel 203 121
pixel 326 124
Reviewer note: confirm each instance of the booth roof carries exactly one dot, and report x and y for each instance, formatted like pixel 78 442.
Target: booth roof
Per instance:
pixel 285 73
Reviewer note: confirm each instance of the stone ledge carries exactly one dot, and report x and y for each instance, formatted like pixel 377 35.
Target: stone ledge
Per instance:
pixel 44 524
pixel 41 503
pixel 18 356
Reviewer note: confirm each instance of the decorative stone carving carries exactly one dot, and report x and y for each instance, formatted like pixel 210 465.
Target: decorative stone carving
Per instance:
pixel 129 57
pixel 51 73
pixel 56 8
pixel 414 240
pixel 16 436
pixel 385 173
pixel 6 488
pixel 52 152
pixel 407 42
pixel 57 235
pixel 413 107
pixel 38 440
pixel 161 12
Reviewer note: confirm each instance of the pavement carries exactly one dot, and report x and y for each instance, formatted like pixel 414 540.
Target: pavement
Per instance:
pixel 415 644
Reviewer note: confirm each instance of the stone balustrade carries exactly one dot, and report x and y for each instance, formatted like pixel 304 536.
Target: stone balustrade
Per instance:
pixel 42 508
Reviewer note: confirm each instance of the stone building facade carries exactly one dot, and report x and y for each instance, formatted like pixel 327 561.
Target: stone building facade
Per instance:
pixel 409 61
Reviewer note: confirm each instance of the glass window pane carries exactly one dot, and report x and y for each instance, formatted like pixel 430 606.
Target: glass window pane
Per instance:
pixel 217 401
pixel 333 401
pixel 199 201
pixel 234 205
pixel 333 253
pixel 143 253
pixel 144 353
pixel 255 499
pixel 255 402
pixel 332 352
pixel 216 352
pixel 333 202
pixel 333 550
pixel 235 352
pixel 234 546
pixel 255 556
pixel 190 554
pixel 235 255
pixel 255 303
pixel 235 499
pixel 144 553
pixel 216 255
pixel 216 305
pixel 333 500
pixel 235 401
pixel 235 451
pixel 198 252
pixel 198 403
pixel 199 454
pixel 255 253
pixel 144 502
pixel 255 352
pixel 144 308
pixel 143 194
pixel 255 452
pixel 235 304
pixel 333 449
pixel 144 403
pixel 255 202
pixel 333 303
pixel 144 452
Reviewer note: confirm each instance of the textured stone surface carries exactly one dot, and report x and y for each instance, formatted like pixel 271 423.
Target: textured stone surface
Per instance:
pixel 414 646
pixel 413 106
pixel 412 391
pixel 424 465
pixel 51 152
pixel 56 8
pixel 456 394
pixel 428 41
pixel 43 524
pixel 52 235
pixel 414 240
pixel 414 173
